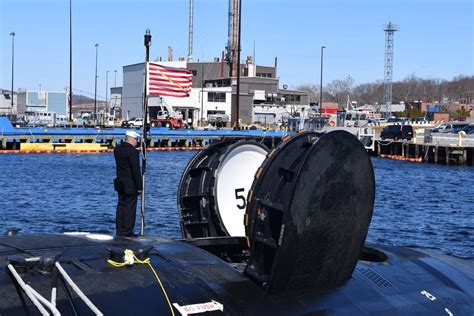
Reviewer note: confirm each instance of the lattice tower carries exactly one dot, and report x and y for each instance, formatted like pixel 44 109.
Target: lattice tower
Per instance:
pixel 389 30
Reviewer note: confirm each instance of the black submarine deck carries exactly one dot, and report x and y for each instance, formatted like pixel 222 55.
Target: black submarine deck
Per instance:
pixel 387 280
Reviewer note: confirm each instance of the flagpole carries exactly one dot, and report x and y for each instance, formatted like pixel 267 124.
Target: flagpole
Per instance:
pixel 145 128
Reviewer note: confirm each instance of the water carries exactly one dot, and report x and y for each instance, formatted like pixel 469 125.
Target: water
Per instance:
pixel 419 205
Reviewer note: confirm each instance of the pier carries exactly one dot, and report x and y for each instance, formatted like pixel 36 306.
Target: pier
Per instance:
pixel 88 140
pixel 449 149
pixel 442 149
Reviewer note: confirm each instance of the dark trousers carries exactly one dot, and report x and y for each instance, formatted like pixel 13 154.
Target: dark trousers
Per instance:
pixel 125 215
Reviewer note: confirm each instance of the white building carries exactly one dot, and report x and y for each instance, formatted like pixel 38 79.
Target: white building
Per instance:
pixel 212 93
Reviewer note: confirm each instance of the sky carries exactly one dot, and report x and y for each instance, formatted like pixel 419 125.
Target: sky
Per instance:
pixel 435 39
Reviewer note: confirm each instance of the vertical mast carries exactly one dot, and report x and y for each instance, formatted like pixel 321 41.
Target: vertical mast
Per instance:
pixel 145 128
pixel 229 47
pixel 237 105
pixel 190 39
pixel 235 26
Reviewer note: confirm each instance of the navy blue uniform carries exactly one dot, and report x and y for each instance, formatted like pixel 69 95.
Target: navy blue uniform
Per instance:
pixel 128 184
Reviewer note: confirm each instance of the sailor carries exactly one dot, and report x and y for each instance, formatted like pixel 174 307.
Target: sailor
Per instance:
pixel 128 184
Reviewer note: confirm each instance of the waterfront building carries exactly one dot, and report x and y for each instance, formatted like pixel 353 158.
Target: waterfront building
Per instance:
pixel 42 102
pixel 115 102
pixel 212 93
pixel 6 102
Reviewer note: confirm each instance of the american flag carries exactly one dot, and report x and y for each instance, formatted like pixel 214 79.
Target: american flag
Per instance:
pixel 169 81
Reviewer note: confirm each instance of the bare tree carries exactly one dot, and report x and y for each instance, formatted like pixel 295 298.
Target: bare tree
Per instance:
pixel 312 90
pixel 368 93
pixel 340 90
pixel 411 88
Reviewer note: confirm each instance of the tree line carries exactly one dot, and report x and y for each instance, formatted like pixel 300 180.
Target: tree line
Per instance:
pixel 411 89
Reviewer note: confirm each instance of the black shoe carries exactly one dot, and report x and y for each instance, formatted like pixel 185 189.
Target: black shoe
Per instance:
pixel 127 235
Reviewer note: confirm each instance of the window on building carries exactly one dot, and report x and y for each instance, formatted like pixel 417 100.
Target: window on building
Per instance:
pixel 264 74
pixel 7 96
pixel 216 97
pixel 195 72
pixel 209 112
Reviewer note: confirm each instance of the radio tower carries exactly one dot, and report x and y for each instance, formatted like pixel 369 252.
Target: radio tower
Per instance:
pixel 389 30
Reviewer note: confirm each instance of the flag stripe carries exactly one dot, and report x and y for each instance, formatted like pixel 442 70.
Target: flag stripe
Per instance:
pixel 169 74
pixel 163 79
pixel 163 93
pixel 154 66
pixel 169 81
pixel 168 89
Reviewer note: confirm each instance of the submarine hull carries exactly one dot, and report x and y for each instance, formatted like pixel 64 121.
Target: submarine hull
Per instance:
pixel 387 280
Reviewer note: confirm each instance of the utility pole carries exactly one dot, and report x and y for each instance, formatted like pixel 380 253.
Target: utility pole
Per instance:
pixel 13 65
pixel 202 94
pixel 95 90
pixel 106 95
pixel 321 83
pixel 70 61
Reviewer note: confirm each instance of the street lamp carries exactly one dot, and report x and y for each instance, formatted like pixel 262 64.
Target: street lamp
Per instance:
pixel 70 61
pixel 321 83
pixel 95 92
pixel 106 92
pixel 13 63
pixel 115 79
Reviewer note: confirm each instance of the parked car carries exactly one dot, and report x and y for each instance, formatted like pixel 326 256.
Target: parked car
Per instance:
pixel 133 122
pixel 394 119
pixel 449 127
pixel 461 127
pixel 397 132
pixel 442 128
pixel 378 120
pixel 419 120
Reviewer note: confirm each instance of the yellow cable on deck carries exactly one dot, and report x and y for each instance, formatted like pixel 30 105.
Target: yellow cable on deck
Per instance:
pixel 130 259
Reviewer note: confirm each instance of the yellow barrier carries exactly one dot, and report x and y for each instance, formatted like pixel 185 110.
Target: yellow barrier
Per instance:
pixel 62 147
pixel 36 146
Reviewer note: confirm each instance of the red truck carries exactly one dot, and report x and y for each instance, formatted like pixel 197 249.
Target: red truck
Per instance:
pixel 169 122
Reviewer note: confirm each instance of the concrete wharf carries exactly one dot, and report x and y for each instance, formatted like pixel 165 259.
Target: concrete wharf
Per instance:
pixel 448 149
pixel 440 148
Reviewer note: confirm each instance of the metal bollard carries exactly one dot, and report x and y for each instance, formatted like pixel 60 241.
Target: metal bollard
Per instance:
pixel 461 134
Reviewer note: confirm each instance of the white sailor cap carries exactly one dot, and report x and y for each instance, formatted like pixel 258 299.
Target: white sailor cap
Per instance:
pixel 133 134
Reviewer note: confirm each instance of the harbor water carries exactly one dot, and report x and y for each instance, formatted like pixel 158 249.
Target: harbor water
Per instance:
pixel 418 205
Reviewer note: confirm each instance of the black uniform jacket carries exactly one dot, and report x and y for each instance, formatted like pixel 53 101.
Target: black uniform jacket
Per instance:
pixel 129 180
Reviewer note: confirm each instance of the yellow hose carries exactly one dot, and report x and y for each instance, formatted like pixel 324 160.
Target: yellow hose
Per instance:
pixel 129 259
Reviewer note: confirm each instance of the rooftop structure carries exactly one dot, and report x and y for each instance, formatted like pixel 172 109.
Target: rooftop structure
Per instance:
pixel 6 102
